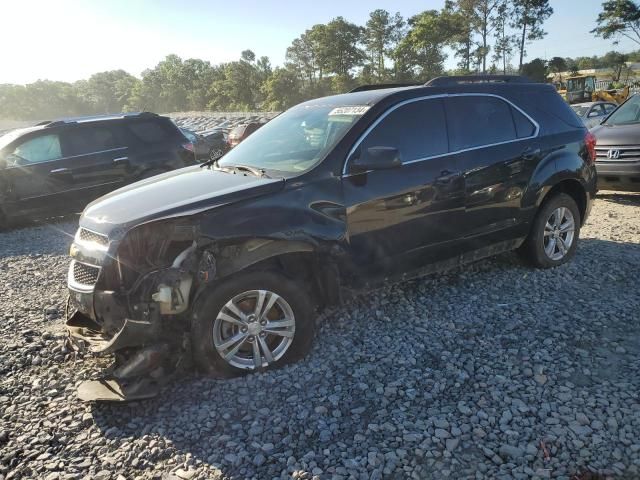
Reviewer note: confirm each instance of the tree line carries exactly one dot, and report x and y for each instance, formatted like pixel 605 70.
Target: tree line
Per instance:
pixel 485 36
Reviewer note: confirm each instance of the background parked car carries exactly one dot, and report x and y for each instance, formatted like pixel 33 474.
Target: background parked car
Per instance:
pixel 618 148
pixel 58 167
pixel 239 133
pixel 207 145
pixel 592 113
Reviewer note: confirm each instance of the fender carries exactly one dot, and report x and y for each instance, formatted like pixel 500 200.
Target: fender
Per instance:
pixel 565 164
pixel 233 258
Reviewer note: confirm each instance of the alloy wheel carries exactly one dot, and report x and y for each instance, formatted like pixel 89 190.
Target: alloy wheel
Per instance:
pixel 254 329
pixel 559 231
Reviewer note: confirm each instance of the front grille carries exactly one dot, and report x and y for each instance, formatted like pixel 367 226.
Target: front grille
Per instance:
pixel 84 274
pixel 88 236
pixel 624 153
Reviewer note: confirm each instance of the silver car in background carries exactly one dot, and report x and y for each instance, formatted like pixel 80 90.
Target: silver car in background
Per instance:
pixel 592 113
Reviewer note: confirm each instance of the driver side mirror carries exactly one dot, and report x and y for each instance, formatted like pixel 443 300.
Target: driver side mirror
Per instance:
pixel 376 158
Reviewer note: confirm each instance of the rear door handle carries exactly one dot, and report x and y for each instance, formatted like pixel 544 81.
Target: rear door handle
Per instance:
pixel 529 153
pixel 59 171
pixel 446 176
pixel 121 160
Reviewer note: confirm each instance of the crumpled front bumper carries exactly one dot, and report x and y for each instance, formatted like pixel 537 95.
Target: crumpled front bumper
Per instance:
pixel 83 331
pixel 139 374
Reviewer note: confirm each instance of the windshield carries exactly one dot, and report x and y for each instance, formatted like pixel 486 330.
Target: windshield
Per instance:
pixel 295 141
pixel 581 111
pixel 628 112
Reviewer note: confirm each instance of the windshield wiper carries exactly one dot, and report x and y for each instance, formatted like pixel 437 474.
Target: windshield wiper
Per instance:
pixel 211 161
pixel 257 172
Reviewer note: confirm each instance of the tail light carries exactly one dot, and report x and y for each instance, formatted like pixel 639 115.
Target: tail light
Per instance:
pixel 189 146
pixel 590 143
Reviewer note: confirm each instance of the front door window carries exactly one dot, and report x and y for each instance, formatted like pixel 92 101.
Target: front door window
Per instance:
pixel 37 150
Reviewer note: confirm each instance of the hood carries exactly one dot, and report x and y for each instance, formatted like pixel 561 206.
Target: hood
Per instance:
pixel 176 193
pixel 617 135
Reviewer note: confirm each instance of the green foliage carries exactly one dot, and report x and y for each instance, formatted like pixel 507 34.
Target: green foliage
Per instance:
pixel 619 18
pixel 528 17
pixel 325 59
pixel 536 70
pixel 382 34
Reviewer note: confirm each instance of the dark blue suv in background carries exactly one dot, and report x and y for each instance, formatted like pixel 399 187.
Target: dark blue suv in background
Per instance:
pixel 58 167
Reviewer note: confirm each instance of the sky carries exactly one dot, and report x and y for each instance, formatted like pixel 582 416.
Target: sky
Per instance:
pixel 69 40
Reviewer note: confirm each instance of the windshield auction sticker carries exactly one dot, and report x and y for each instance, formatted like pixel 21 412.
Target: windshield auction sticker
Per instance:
pixel 351 110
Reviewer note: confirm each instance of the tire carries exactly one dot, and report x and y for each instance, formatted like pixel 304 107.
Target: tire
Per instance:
pixel 556 224
pixel 211 330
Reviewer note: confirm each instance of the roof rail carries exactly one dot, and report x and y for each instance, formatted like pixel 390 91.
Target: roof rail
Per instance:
pixel 461 79
pixel 380 86
pixel 94 118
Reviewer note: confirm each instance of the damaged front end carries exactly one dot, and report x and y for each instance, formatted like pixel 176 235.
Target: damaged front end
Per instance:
pixel 130 295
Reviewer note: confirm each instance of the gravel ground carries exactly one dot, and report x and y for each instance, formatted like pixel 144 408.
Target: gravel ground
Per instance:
pixel 496 371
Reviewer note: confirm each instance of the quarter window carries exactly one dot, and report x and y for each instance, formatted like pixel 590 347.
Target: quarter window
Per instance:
pixel 524 127
pixel 417 129
pixel 40 149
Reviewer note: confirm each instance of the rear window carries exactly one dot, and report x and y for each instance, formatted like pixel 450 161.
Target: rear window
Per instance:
pixel 479 120
pixel 86 140
pixel 150 131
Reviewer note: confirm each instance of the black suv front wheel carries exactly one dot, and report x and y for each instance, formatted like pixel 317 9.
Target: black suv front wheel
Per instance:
pixel 252 321
pixel 553 238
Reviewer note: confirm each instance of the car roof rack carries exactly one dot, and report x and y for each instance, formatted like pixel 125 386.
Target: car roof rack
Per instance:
pixel 462 79
pixel 94 118
pixel 380 86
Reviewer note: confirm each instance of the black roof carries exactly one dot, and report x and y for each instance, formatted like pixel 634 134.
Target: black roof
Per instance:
pixel 492 84
pixel 94 118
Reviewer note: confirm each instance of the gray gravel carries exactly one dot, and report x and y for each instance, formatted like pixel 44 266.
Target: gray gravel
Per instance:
pixel 496 371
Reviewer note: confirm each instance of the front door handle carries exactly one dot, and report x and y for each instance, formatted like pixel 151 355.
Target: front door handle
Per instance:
pixel 121 160
pixel 446 176
pixel 59 171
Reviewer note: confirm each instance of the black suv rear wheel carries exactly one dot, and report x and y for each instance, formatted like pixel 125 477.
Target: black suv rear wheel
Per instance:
pixel 553 238
pixel 252 321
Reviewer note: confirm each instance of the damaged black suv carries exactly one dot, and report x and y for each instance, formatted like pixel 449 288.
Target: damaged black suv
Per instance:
pixel 226 263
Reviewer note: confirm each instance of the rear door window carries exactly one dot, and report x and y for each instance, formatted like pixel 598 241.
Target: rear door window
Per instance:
pixel 44 148
pixel 418 130
pixel 475 121
pixel 149 131
pixel 609 107
pixel 83 141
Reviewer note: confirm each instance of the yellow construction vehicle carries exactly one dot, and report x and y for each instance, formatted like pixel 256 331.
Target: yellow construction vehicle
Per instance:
pixel 614 95
pixel 582 88
pixel 561 88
